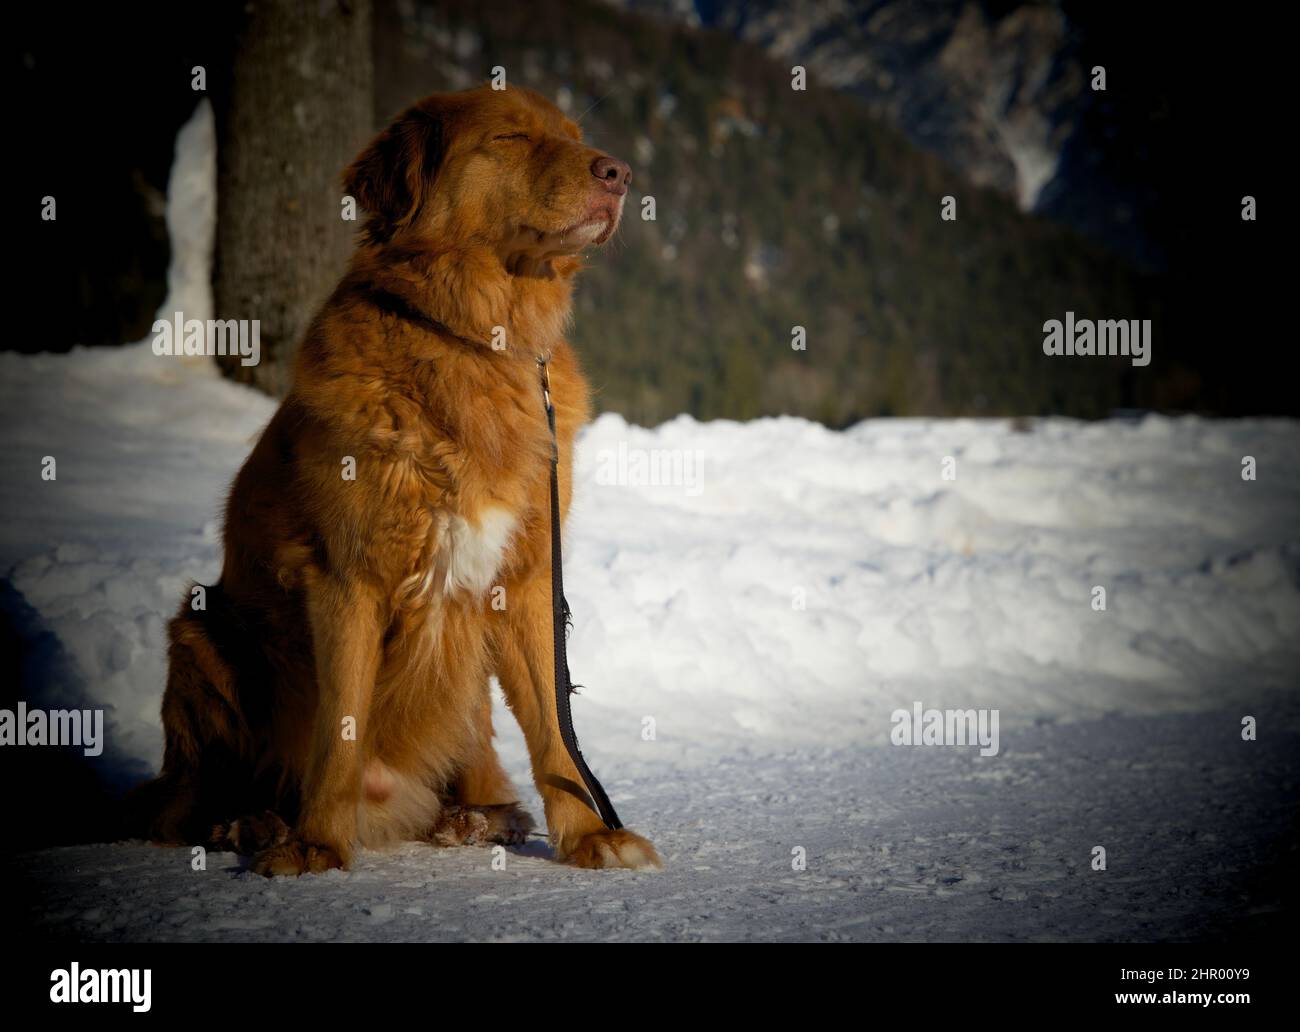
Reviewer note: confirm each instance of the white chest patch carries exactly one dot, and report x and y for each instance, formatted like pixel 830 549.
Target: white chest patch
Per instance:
pixel 474 551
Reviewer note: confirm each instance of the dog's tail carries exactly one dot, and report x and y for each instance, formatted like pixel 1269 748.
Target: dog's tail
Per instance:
pixel 207 738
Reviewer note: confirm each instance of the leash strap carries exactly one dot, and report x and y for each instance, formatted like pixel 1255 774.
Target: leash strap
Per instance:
pixel 560 618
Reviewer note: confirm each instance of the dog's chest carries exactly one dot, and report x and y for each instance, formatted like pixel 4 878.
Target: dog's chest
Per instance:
pixel 475 550
pixel 479 534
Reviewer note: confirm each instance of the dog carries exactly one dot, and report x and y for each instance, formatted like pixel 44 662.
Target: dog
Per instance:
pixel 387 542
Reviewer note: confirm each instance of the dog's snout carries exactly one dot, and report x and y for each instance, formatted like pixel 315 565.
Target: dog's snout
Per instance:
pixel 614 175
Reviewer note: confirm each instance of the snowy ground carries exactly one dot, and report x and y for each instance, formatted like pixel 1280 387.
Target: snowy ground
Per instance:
pixel 902 845
pixel 767 614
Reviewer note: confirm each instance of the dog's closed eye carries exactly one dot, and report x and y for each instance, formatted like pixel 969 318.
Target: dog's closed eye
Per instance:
pixel 511 136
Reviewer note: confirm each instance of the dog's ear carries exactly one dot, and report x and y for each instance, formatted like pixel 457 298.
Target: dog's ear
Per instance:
pixel 395 173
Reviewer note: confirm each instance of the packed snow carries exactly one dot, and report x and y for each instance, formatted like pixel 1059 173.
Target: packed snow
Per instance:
pixel 752 602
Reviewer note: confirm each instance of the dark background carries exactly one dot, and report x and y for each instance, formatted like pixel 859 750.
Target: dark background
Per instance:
pixel 905 314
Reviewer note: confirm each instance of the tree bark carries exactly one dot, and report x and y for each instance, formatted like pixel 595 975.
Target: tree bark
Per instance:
pixel 292 111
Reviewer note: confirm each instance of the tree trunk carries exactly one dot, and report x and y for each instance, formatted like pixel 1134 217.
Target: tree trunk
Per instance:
pixel 294 110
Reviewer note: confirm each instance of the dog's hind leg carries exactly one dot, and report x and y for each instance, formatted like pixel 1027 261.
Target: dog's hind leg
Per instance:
pixel 506 824
pixel 481 780
pixel 251 834
pixel 483 805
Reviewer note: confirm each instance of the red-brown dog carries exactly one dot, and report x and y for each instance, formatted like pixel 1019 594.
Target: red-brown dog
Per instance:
pixel 336 690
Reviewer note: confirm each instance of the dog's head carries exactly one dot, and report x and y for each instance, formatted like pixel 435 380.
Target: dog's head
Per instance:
pixel 498 169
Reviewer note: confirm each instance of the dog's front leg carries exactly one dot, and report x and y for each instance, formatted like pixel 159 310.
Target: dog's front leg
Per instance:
pixel 525 664
pixel 346 639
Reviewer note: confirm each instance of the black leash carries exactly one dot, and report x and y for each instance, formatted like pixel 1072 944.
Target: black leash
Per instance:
pixel 560 618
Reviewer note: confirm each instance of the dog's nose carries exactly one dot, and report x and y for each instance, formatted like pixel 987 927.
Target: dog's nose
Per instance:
pixel 614 175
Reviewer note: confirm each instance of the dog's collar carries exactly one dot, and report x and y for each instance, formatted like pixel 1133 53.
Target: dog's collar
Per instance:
pixel 395 304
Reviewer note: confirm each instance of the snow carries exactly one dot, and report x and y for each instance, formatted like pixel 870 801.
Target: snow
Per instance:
pixel 906 844
pixel 763 615
pixel 975 592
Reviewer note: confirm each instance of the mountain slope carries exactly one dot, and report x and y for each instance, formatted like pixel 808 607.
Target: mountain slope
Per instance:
pixel 775 209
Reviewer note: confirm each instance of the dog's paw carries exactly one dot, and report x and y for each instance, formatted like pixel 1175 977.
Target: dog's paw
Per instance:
pixel 506 824
pixel 296 857
pixel 509 824
pixel 250 835
pixel 621 848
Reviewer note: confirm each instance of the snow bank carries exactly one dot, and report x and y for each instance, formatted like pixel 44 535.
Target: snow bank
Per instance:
pixel 975 591
pixel 804 586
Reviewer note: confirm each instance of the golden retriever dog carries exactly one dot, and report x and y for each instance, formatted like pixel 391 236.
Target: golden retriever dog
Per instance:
pixel 334 693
